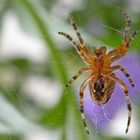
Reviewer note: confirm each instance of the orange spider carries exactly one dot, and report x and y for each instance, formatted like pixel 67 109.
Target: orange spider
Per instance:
pixel 102 79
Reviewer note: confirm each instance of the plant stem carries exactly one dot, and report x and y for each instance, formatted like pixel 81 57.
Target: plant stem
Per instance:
pixel 29 6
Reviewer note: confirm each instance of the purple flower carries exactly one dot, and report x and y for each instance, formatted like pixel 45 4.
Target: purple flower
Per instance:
pixel 100 116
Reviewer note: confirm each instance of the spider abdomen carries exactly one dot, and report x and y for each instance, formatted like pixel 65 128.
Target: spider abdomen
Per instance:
pixel 99 86
pixel 101 90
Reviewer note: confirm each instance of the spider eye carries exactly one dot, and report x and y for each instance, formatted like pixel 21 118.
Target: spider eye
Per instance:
pixel 100 51
pixel 103 47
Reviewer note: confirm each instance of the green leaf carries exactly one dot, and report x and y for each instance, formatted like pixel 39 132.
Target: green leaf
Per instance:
pixel 55 117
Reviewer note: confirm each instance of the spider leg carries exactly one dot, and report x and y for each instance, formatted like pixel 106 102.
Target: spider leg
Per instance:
pixel 82 43
pixel 117 53
pixel 81 94
pixel 119 67
pixel 122 49
pixel 70 39
pixel 127 98
pixel 83 52
pixel 133 37
pixel 76 30
pixel 77 75
pixel 127 27
pixel 126 31
pixel 111 53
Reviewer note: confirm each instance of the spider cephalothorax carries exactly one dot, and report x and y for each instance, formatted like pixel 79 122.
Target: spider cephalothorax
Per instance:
pixel 99 52
pixel 102 78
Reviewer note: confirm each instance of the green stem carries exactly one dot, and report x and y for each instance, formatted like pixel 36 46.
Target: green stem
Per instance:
pixel 42 28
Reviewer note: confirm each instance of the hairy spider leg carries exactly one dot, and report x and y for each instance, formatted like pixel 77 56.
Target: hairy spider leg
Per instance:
pixel 71 40
pixel 117 53
pixel 77 75
pixel 133 36
pixel 127 98
pixel 81 94
pixel 76 30
pixel 125 34
pixel 126 30
pixel 122 49
pixel 82 51
pixel 127 26
pixel 119 67
pixel 82 43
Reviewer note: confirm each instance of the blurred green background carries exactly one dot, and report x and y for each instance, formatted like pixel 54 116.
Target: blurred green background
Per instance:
pixel 36 63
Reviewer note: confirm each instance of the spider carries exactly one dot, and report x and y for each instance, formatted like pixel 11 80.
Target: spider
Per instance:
pixel 102 79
